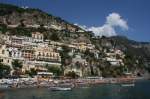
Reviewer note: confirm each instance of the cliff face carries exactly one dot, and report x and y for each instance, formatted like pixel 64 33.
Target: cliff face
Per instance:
pixel 135 50
pixel 12 15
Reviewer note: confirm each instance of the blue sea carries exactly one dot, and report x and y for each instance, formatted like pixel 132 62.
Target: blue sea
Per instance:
pixel 141 90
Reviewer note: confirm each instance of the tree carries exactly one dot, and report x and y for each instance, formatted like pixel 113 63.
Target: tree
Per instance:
pixel 54 37
pixel 55 70
pixel 17 65
pixel 72 74
pixel 4 70
pixel 64 55
pixel 32 72
pixel 3 28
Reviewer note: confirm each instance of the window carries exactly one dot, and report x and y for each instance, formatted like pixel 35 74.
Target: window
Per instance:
pixel 39 54
pixel 3 51
pixel 47 55
pixel 14 53
pixel 41 37
pixel 1 60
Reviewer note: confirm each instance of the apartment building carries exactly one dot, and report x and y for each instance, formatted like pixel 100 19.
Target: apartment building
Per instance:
pixel 37 37
pixel 47 54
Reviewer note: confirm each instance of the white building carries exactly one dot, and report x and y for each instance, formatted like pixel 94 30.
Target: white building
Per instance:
pixel 15 53
pixel 37 37
pixel 4 55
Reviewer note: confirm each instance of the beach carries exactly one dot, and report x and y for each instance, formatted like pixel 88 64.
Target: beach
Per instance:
pixel 35 83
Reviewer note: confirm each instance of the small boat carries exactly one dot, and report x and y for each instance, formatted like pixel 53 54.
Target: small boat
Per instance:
pixel 60 88
pixel 127 85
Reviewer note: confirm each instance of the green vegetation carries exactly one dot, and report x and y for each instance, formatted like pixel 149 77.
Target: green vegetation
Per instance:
pixel 148 68
pixel 4 70
pixel 135 52
pixel 20 31
pixel 112 71
pixel 6 9
pixel 17 66
pixel 90 57
pixel 3 28
pixel 31 73
pixel 54 37
pixel 72 74
pixel 55 70
pixel 64 55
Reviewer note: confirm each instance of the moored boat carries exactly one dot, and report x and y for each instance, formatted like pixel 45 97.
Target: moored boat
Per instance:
pixel 60 88
pixel 128 85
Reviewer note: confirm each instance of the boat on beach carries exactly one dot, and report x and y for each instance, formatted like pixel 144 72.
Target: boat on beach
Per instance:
pixel 128 85
pixel 60 88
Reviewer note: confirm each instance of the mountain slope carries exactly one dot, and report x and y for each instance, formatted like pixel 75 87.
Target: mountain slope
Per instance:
pixel 22 21
pixel 13 15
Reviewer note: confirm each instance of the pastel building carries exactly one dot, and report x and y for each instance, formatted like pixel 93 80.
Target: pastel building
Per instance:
pixel 37 37
pixel 15 53
pixel 47 54
pixel 4 55
pixel 83 46
pixel 28 53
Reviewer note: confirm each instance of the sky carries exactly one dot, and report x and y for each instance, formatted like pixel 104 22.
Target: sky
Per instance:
pixel 129 18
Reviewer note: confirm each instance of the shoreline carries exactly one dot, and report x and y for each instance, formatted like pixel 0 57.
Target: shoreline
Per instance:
pixel 73 83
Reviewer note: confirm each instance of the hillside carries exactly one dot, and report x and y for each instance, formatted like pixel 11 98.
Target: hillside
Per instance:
pixel 135 50
pixel 23 21
pixel 13 15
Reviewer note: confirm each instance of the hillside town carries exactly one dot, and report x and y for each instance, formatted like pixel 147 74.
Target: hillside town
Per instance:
pixel 35 53
pixel 33 59
pixel 45 50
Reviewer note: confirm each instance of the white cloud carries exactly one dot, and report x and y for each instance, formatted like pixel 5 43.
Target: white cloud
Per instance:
pixel 114 19
pixel 108 29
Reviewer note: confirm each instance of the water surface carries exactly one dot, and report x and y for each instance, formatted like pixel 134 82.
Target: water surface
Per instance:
pixel 141 90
